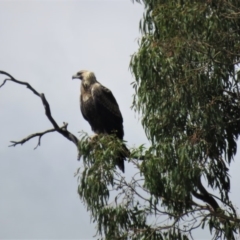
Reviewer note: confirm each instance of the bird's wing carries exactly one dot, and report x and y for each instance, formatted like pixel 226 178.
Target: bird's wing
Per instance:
pixel 105 98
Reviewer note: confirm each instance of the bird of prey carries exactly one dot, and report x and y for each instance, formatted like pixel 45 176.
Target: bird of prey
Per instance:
pixel 99 107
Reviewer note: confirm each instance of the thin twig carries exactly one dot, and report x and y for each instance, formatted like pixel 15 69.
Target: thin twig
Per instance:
pixel 62 130
pixel 39 135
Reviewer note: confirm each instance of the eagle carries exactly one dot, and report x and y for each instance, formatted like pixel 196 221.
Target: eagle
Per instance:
pixel 100 108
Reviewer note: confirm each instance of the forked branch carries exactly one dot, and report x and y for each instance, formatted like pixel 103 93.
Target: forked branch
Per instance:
pixel 62 130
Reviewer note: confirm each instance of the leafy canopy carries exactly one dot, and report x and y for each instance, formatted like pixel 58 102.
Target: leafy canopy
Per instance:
pixel 187 90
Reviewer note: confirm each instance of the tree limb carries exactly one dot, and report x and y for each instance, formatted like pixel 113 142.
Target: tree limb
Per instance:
pixel 62 130
pixel 39 135
pixel 205 196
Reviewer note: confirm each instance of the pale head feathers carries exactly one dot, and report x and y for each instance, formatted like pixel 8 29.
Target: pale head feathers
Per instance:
pixel 86 76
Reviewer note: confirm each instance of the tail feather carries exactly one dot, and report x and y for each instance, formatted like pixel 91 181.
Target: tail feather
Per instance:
pixel 120 163
pixel 122 156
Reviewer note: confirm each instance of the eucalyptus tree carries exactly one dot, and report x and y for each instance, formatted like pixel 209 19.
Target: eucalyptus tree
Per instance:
pixel 187 91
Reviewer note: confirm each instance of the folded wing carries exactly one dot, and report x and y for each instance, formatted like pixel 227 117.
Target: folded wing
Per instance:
pixel 107 110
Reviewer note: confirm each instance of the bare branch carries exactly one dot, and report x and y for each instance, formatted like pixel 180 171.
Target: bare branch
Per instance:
pixel 11 78
pixel 39 135
pixel 62 130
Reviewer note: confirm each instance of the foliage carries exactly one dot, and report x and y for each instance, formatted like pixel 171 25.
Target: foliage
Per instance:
pixel 187 90
pixel 98 178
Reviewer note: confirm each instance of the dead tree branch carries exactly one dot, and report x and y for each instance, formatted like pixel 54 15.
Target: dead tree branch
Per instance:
pixel 39 135
pixel 62 130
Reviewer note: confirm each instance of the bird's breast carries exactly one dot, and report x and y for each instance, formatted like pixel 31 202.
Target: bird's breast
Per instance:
pixel 86 97
pixel 85 93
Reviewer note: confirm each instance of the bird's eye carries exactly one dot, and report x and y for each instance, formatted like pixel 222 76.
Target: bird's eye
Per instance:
pixel 80 75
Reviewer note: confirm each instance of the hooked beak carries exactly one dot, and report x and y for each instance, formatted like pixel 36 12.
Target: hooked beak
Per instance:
pixel 75 76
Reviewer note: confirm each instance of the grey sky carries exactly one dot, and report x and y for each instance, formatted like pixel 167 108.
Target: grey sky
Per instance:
pixel 45 43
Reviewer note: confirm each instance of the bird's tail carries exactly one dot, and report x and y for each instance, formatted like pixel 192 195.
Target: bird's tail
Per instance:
pixel 122 156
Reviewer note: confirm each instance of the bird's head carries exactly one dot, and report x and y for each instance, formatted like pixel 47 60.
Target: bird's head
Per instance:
pixel 86 76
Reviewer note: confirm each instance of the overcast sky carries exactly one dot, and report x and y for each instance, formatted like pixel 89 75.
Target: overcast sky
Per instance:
pixel 45 43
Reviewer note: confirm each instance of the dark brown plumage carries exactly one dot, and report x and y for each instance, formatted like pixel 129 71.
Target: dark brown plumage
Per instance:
pixel 100 108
